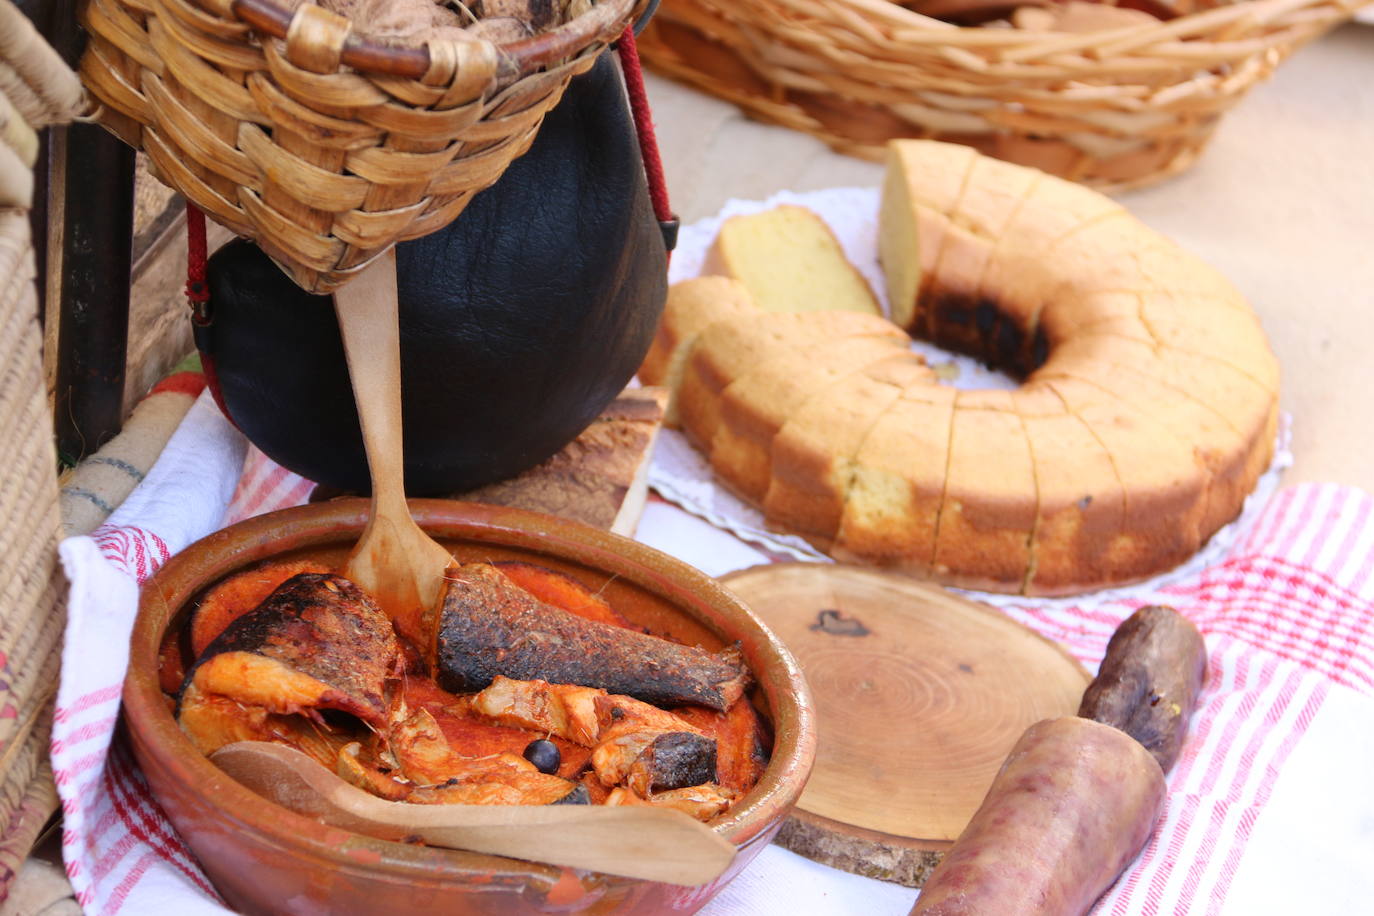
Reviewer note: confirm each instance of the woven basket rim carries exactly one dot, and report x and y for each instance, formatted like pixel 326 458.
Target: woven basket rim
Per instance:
pixel 516 58
pixel 1192 25
pixel 1114 108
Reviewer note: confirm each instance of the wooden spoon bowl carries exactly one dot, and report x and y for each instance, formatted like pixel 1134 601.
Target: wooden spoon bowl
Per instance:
pixel 265 859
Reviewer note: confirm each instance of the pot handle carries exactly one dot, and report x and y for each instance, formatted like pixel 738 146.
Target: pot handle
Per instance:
pixel 645 16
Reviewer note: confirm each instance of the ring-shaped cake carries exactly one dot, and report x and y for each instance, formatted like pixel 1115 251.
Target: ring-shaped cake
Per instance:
pixel 1147 408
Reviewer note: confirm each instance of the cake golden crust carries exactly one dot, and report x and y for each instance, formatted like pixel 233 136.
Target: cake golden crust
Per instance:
pixel 754 407
pixel 894 500
pixel 726 350
pixel 812 466
pixel 692 306
pixel 1080 510
pixel 983 532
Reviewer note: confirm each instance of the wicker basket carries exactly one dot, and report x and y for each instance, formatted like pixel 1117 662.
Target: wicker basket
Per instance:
pixel 1110 108
pixel 324 147
pixel 36 88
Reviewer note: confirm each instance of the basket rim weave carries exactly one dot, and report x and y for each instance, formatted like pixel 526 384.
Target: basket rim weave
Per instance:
pixel 322 146
pixel 1025 44
pixel 368 55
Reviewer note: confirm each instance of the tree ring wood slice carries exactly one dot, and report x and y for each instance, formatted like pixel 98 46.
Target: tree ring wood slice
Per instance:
pixel 919 694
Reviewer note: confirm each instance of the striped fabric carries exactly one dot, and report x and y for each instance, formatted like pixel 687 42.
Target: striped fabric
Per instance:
pixel 265 486
pixel 1288 618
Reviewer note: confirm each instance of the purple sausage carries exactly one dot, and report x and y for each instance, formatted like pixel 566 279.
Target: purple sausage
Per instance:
pixel 1072 806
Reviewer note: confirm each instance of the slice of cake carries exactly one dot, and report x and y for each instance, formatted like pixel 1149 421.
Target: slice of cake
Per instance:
pixel 898 483
pixel 1220 448
pixel 921 187
pixel 813 453
pixel 1021 276
pixel 1231 336
pixel 1175 271
pixel 984 529
pixel 1217 409
pixel 1080 506
pixel 754 407
pixel 790 261
pixel 727 350
pixel 958 317
pixel 1081 264
pixel 1244 403
pixel 1164 483
pixel 692 307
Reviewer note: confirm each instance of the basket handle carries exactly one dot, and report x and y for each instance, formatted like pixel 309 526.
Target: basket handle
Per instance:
pixel 517 58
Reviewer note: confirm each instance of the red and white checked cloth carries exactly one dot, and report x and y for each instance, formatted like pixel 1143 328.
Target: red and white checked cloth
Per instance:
pixel 1269 811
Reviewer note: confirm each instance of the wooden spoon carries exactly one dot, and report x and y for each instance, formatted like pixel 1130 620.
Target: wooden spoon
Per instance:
pixel 655 844
pixel 395 562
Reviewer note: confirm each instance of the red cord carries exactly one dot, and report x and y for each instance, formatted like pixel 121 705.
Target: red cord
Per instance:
pixel 644 127
pixel 196 289
pixel 198 294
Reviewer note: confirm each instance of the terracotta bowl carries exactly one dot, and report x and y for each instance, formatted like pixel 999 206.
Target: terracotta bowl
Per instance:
pixel 265 859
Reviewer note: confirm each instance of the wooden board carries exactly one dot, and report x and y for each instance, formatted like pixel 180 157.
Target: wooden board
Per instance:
pixel 601 477
pixel 919 695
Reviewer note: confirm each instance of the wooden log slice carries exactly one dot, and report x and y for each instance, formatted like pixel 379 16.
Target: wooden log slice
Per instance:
pixel 919 694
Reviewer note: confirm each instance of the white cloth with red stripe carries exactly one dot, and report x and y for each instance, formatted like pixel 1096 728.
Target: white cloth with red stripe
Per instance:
pixel 1269 811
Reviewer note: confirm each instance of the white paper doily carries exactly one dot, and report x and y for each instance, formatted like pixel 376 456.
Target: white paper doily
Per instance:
pixel 682 475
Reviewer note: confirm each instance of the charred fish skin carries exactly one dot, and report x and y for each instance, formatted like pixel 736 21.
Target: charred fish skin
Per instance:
pixel 578 796
pixel 488 626
pixel 325 627
pixel 674 761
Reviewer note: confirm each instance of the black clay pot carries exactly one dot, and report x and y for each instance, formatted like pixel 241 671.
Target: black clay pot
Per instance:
pixel 519 322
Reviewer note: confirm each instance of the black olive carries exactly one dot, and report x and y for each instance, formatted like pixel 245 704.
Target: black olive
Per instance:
pixel 544 755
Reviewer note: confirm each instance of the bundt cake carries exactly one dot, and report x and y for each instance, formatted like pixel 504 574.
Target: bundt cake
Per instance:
pixel 1146 413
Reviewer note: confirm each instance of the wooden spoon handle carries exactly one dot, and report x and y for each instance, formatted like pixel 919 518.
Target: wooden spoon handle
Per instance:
pixel 655 844
pixel 369 322
pixel 394 561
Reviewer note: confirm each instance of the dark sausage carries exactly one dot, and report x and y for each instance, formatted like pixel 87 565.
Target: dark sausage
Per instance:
pixel 1071 807
pixel 1078 797
pixel 1149 681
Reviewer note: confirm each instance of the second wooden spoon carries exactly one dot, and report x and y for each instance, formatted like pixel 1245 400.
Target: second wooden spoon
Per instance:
pixel 655 844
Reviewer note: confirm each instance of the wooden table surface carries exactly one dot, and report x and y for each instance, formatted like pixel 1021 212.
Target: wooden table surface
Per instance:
pixel 1282 202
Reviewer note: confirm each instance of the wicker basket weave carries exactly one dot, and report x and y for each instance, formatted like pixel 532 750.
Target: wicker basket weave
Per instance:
pixel 1110 108
pixel 324 147
pixel 36 88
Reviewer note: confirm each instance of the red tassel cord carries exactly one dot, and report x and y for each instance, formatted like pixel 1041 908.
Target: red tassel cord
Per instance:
pixel 197 292
pixel 648 143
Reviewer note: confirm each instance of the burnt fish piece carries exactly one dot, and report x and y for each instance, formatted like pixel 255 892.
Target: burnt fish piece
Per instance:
pixel 488 626
pixel 673 761
pixel 316 643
